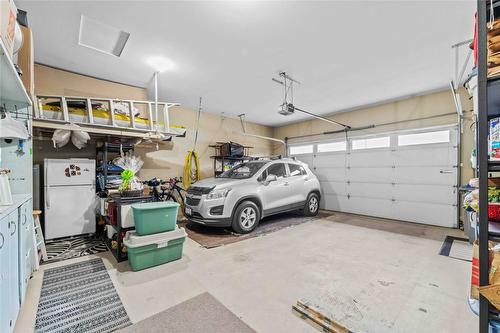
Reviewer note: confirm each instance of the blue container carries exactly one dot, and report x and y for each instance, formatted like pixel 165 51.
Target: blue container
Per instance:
pixel 494 326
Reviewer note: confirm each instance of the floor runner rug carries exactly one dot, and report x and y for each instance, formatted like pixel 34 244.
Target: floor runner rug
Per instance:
pixel 200 314
pixel 79 298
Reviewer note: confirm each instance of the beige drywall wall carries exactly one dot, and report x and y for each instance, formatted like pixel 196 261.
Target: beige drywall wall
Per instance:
pixel 168 160
pixel 405 110
pixel 52 81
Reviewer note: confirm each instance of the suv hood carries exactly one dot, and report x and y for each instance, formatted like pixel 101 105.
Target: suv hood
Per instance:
pixel 219 182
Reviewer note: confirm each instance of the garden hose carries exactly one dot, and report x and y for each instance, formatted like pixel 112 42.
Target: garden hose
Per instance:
pixel 191 175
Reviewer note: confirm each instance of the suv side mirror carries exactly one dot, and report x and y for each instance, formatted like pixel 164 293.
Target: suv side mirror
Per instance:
pixel 270 178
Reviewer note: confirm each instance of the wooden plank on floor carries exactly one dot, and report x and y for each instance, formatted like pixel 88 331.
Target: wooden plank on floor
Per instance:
pixel 312 314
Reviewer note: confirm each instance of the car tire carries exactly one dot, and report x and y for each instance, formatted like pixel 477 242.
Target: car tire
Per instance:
pixel 312 205
pixel 246 217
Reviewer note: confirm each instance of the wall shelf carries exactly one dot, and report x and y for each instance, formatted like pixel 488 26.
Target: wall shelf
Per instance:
pixel 12 90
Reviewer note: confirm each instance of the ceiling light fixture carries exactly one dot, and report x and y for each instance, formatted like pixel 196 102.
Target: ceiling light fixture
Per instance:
pixel 160 64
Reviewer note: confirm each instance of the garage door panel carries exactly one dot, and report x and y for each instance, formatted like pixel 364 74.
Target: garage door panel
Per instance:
pixel 443 194
pixel 339 176
pixel 329 161
pixel 334 202
pixel 331 175
pixel 425 156
pixel 307 159
pixel 371 158
pixel 373 207
pixel 382 175
pixel 367 190
pixel 425 175
pixel 434 214
pixel 334 188
pixel 410 183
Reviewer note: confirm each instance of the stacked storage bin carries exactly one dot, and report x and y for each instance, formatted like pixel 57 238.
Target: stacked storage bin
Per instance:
pixel 156 239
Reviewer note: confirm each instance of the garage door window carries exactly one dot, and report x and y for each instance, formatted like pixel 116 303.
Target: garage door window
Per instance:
pixel 297 150
pixel 424 138
pixel 381 142
pixel 332 146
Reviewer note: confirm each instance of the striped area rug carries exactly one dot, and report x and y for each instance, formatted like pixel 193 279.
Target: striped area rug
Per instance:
pixel 79 298
pixel 72 247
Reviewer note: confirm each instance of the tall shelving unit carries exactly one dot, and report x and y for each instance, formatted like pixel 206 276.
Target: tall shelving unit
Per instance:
pixel 488 108
pixel 107 152
pixel 16 226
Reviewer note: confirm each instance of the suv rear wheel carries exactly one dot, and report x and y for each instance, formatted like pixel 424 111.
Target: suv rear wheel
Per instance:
pixel 312 205
pixel 246 217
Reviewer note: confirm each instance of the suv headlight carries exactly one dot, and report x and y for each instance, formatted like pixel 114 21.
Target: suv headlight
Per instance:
pixel 217 194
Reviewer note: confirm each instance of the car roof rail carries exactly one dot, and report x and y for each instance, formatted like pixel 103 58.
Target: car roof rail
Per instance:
pixel 275 157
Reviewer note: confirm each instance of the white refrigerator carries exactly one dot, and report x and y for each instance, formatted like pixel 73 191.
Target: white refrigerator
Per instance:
pixel 70 198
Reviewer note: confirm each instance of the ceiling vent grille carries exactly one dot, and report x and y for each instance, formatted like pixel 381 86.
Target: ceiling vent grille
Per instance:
pixel 102 37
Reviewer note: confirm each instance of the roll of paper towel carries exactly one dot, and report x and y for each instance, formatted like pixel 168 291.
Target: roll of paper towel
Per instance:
pixel 5 193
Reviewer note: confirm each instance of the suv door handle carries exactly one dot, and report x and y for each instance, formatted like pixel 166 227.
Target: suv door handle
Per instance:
pixel 286 184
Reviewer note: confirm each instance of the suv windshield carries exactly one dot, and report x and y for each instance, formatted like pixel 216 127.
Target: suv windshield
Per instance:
pixel 244 170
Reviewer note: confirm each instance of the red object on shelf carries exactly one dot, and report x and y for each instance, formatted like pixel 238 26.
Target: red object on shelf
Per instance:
pixel 112 212
pixel 494 212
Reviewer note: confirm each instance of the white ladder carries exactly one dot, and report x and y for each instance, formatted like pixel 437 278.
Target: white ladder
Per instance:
pixel 38 240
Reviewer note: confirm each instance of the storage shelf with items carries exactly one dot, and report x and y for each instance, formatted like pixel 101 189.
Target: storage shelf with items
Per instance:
pixel 484 284
pixel 12 89
pixel 108 173
pixel 228 155
pixel 119 219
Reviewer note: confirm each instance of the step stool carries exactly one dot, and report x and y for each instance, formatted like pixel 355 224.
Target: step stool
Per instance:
pixel 38 240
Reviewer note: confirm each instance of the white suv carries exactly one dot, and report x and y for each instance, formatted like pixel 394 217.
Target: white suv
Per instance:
pixel 250 191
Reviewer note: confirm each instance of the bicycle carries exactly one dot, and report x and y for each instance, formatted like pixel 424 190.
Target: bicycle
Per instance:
pixel 168 190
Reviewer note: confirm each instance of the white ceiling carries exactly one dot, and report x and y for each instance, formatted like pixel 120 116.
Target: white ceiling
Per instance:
pixel 346 54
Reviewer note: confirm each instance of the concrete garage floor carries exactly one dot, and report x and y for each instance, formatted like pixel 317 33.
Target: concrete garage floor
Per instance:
pixel 373 275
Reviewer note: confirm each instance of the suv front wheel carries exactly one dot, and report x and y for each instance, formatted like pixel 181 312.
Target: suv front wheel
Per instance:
pixel 246 217
pixel 312 205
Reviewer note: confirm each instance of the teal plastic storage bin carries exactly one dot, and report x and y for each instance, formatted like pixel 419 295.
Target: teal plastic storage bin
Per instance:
pixel 155 217
pixel 154 250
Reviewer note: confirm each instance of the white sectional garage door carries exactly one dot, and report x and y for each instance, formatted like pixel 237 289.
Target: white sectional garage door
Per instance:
pixel 408 175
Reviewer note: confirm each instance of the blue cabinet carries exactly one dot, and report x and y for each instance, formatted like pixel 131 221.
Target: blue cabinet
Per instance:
pixel 25 246
pixel 14 303
pixel 16 262
pixel 4 272
pixel 9 256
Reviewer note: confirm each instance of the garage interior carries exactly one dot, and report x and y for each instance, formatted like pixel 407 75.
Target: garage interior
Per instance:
pixel 249 166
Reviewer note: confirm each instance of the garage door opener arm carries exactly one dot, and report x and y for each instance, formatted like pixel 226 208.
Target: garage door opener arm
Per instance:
pixel 288 108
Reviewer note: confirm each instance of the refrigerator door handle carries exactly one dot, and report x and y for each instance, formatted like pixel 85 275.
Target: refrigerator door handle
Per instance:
pixel 47 198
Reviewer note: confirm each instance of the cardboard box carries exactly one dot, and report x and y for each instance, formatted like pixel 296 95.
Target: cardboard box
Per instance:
pixel 8 15
pixel 494 182
pixel 25 61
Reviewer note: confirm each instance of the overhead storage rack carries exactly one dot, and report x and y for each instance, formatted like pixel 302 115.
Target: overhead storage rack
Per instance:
pixel 107 116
